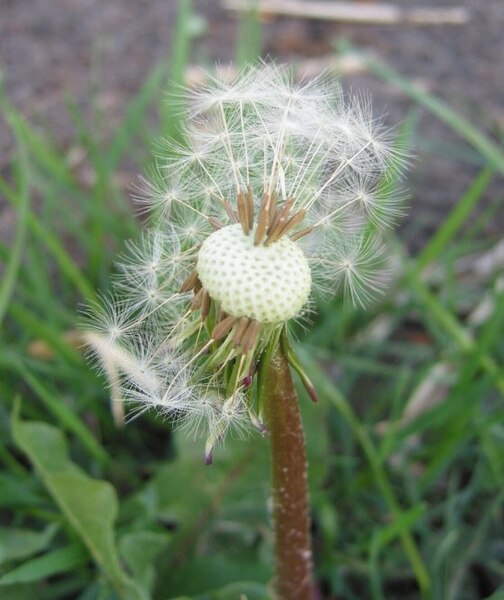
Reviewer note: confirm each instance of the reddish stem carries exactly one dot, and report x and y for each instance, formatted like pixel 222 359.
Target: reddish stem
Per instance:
pixel 294 579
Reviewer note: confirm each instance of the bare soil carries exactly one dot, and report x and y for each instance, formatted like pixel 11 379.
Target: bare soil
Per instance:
pixel 54 49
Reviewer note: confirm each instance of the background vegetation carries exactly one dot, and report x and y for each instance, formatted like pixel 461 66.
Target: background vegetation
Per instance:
pixel 405 445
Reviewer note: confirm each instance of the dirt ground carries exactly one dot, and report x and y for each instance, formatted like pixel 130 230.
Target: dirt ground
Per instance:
pixel 51 49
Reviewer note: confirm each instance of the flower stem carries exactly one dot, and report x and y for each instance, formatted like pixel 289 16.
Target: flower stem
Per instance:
pixel 291 518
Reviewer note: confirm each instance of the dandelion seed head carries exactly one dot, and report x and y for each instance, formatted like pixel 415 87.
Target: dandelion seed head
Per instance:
pixel 267 283
pixel 274 189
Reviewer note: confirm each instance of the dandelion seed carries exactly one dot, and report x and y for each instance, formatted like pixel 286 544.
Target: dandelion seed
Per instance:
pixel 278 187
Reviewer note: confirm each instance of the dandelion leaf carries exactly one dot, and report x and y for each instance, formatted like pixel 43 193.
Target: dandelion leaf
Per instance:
pixel 17 543
pixel 89 505
pixel 140 549
pixel 52 563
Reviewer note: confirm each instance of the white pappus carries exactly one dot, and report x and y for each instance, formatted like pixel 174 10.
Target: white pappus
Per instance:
pixel 277 187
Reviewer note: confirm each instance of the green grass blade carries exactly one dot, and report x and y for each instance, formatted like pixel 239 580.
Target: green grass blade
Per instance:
pixel 36 328
pixel 384 536
pixel 40 149
pixel 68 419
pixel 454 221
pixel 491 151
pixel 13 265
pixel 457 332
pixel 326 387
pixel 100 222
pixel 135 115
pixel 249 41
pixel 66 264
pixel 179 57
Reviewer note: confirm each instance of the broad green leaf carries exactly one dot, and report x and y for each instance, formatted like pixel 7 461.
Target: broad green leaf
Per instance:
pixel 52 563
pixel 90 506
pixel 238 479
pixel 17 493
pixel 139 549
pixel 16 543
pixel 203 577
pixel 235 490
pixel 22 591
pixel 243 589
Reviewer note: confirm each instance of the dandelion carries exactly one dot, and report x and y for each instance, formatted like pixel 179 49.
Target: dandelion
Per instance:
pixel 276 189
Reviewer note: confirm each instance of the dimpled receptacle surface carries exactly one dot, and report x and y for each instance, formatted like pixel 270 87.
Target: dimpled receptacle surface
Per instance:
pixel 267 283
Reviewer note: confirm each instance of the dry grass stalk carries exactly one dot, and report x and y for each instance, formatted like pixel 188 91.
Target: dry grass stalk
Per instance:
pixel 350 12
